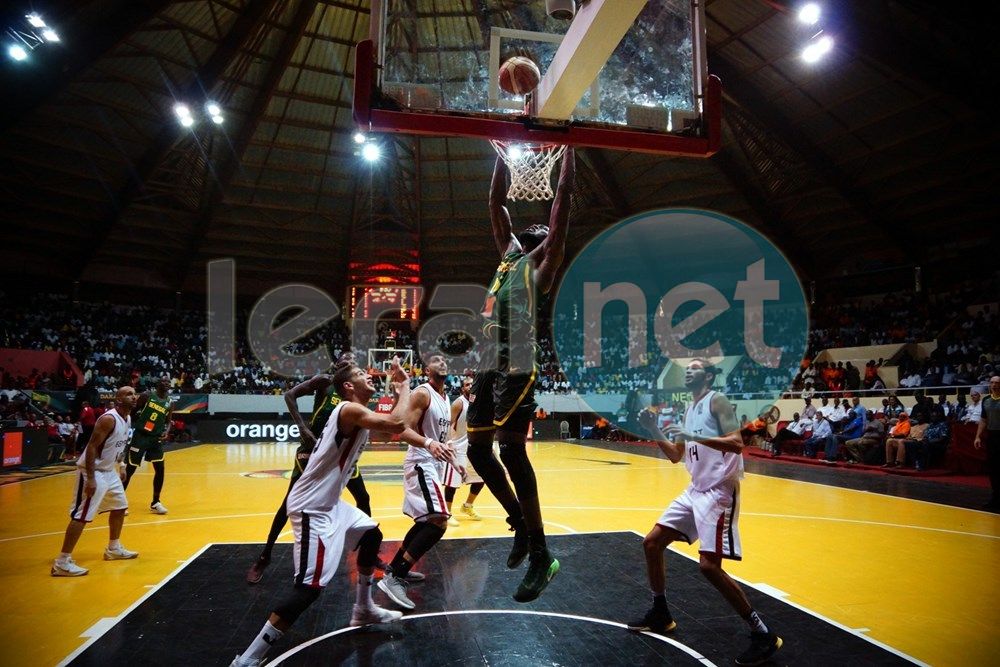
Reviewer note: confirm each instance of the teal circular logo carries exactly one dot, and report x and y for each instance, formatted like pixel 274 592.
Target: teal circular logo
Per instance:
pixel 661 288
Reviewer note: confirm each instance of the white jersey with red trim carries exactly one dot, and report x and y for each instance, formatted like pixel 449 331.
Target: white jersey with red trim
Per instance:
pixel 329 468
pixel 109 451
pixel 433 424
pixel 709 467
pixel 462 425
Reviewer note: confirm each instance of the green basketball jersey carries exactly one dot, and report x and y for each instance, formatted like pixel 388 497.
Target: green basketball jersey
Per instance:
pixel 322 410
pixel 153 417
pixel 510 302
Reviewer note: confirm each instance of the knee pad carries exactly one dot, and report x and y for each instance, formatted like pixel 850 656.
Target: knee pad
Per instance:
pixel 368 547
pixel 296 603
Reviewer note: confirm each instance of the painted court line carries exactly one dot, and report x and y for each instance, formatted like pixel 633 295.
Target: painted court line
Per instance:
pixel 102 626
pixel 468 612
pixel 806 610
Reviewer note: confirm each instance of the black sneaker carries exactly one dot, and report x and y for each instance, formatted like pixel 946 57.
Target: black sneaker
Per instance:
pixel 518 550
pixel 762 646
pixel 542 567
pixel 656 620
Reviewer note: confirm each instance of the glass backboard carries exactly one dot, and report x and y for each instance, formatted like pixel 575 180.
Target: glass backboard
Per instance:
pixel 626 74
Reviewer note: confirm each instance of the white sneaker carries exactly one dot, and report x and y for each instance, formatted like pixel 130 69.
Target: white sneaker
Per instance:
pixel 238 661
pixel 157 508
pixel 395 589
pixel 67 568
pixel 119 553
pixel 470 511
pixel 363 616
pixel 452 521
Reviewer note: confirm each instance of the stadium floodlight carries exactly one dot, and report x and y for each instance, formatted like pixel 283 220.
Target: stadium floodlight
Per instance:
pixel 187 121
pixel 182 110
pixel 809 13
pixel 49 35
pixel 360 138
pixel 817 49
pixel 218 119
pixel 17 52
pixel 213 109
pixel 371 152
pixel 35 20
pixel 515 152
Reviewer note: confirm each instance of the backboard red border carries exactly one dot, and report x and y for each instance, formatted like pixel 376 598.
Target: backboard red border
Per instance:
pixel 372 118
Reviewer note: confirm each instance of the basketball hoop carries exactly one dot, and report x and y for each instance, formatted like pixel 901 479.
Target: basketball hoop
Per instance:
pixel 530 168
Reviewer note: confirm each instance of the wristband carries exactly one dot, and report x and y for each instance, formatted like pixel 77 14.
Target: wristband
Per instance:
pixel 428 442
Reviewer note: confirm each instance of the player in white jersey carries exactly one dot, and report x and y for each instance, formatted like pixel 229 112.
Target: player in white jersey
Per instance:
pixel 322 525
pixel 99 486
pixel 707 510
pixel 424 467
pixel 460 441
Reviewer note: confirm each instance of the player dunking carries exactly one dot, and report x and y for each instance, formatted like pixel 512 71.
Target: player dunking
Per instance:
pixel 708 509
pixel 322 525
pixel 152 424
pixel 423 469
pixel 325 399
pixel 502 397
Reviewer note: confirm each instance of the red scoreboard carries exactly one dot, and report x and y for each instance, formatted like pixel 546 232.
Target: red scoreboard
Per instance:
pixel 397 302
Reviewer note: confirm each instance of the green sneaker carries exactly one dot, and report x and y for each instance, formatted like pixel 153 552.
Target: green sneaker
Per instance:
pixel 541 568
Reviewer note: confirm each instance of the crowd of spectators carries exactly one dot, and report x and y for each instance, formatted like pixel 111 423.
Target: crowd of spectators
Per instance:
pixel 114 344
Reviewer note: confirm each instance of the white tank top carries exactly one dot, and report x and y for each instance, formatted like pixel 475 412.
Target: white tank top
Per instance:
pixel 462 425
pixel 113 446
pixel 329 468
pixel 708 467
pixel 433 424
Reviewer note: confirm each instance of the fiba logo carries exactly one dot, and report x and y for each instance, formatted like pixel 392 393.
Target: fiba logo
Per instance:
pixel 675 284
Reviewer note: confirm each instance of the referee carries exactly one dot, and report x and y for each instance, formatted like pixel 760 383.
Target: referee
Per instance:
pixel 989 426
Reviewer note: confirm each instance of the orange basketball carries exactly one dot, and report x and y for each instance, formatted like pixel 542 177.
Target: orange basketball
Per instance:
pixel 519 75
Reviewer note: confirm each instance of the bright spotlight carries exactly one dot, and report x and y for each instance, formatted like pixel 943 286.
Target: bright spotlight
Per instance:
pixel 35 20
pixel 187 121
pixel 182 111
pixel 213 109
pixel 49 35
pixel 217 119
pixel 515 152
pixel 809 13
pixel 371 152
pixel 17 52
pixel 360 138
pixel 817 49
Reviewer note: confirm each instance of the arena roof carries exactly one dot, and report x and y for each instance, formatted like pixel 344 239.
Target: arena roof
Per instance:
pixel 882 156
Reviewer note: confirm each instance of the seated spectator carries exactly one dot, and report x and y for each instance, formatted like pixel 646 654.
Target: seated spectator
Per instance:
pixel 894 409
pixel 857 449
pixel 809 411
pixel 853 430
pixel 933 444
pixel 895 449
pixel 839 415
pixel 754 432
pixel 974 411
pixel 822 435
pixel 794 430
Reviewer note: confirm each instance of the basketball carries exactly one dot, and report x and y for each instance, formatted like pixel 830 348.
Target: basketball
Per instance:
pixel 519 75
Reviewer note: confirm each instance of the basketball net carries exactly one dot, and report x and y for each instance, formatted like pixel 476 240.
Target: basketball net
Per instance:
pixel 530 168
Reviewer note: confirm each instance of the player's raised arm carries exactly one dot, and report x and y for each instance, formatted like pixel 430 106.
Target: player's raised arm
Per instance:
pixel 554 246
pixel 499 216
pixel 310 387
pixel 673 450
